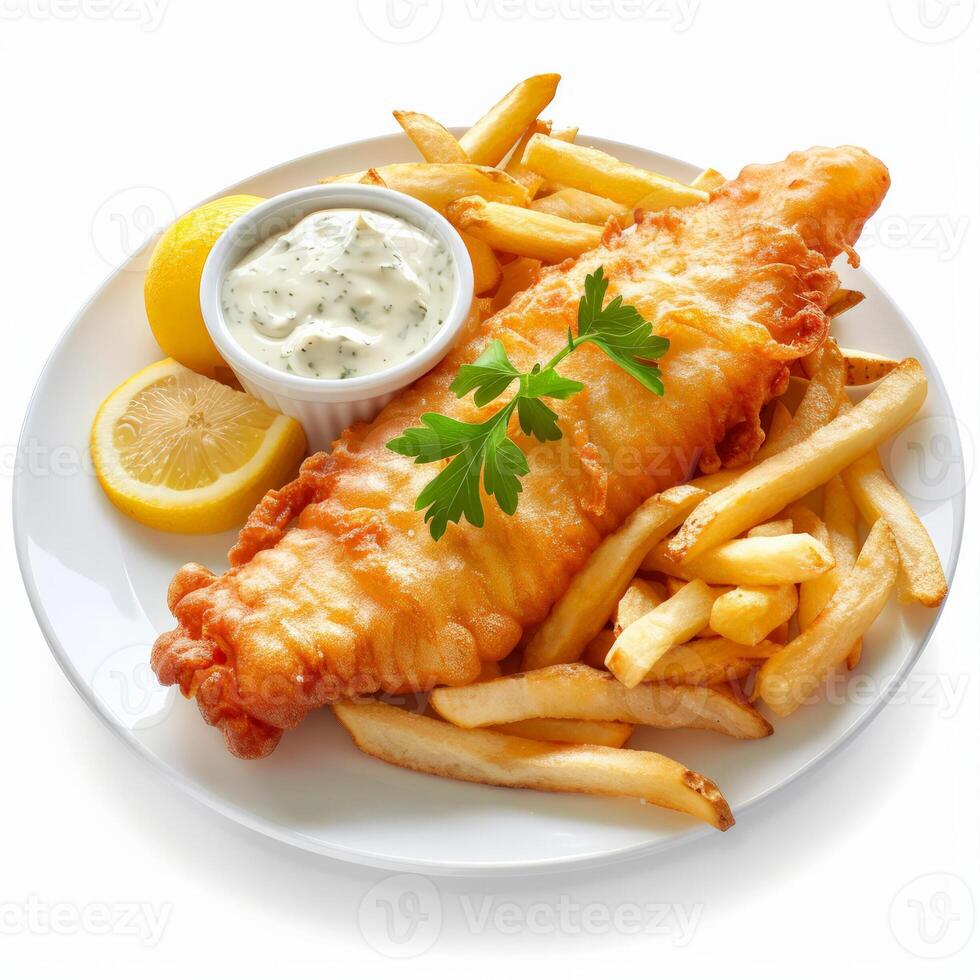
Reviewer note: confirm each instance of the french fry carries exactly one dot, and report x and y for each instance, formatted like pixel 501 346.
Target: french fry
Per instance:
pixel 487 141
pixel 819 405
pixel 748 615
pixel 864 368
pixel 516 276
pixel 654 199
pixel 759 560
pixel 674 585
pixel 549 187
pixel 709 661
pixel 597 648
pixel 843 300
pixel 574 731
pixel 782 419
pixel 675 621
pixel 427 745
pixel 922 578
pixel 371 176
pixel 566 134
pixel 795 388
pixel 736 689
pixel 489 670
pixel 522 231
pixel 516 168
pixel 815 593
pixel 762 491
pixel 713 482
pixel 771 529
pixel 484 308
pixel 439 183
pixel 592 170
pixel 791 676
pixel 708 180
pixel 780 635
pixel 433 140
pixel 640 598
pixel 575 205
pixel 594 592
pixel 840 517
pixel 578 691
pixel 486 269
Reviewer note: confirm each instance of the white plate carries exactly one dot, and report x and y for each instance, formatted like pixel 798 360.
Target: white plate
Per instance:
pixel 98 584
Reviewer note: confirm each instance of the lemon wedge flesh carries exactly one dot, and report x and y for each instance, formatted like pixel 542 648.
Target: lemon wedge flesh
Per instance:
pixel 179 452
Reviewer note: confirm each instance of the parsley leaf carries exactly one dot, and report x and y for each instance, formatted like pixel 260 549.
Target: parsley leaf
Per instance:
pixel 439 437
pixel 484 449
pixel 632 354
pixel 537 420
pixel 454 492
pixel 505 463
pixel 549 384
pixel 491 375
pixel 621 332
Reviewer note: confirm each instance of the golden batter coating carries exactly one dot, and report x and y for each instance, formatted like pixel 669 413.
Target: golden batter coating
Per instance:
pixel 336 586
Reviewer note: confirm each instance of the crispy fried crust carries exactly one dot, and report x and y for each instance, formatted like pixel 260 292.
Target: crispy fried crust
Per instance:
pixel 336 587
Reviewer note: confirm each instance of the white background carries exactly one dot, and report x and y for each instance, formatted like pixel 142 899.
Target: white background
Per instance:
pixel 183 97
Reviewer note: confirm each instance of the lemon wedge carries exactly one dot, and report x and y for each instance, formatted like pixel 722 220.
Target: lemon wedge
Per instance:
pixel 172 287
pixel 179 452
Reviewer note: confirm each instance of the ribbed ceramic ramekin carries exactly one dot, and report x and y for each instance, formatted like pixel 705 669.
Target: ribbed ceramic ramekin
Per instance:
pixel 324 407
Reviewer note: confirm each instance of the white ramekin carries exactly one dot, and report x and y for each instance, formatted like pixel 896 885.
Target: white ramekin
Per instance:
pixel 324 407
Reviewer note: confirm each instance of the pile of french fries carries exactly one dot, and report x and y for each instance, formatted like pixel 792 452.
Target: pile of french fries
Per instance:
pixel 742 589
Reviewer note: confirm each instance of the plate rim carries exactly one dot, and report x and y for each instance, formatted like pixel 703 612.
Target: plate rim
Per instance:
pixel 282 835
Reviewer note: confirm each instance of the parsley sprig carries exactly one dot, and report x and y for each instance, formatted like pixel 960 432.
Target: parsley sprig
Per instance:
pixel 483 448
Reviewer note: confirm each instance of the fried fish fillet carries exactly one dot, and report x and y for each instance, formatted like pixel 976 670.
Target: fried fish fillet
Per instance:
pixel 336 587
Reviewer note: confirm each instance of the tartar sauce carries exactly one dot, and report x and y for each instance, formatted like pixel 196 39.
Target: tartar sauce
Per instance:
pixel 344 293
